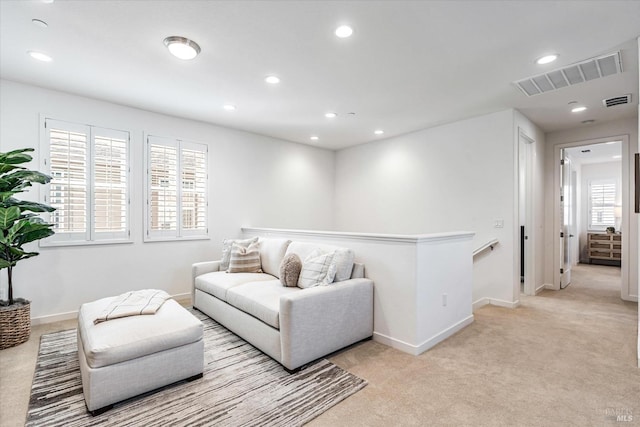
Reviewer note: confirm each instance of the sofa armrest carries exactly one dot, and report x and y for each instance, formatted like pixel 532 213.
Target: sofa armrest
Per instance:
pixel 198 269
pixel 323 319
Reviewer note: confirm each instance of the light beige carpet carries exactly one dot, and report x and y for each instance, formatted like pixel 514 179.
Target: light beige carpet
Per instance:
pixel 562 358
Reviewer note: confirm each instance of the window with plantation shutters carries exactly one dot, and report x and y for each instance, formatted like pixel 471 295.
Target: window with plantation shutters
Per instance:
pixel 176 189
pixel 89 169
pixel 602 198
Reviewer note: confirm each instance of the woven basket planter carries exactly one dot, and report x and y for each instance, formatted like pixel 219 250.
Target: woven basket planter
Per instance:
pixel 15 324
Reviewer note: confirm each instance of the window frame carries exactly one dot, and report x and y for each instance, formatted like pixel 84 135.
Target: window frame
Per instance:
pixel 180 233
pixel 591 183
pixel 90 236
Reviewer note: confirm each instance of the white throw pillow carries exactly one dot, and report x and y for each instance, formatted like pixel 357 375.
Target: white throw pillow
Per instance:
pixel 343 258
pixel 317 270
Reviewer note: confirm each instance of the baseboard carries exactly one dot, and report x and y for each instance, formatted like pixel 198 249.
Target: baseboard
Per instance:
pixel 550 286
pixel 540 289
pixel 494 301
pixel 184 299
pixel 426 345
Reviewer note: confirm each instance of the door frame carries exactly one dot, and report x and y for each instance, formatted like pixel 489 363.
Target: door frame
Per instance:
pixel 626 199
pixel 526 142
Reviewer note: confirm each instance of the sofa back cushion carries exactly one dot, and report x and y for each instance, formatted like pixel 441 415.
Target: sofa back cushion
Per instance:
pixel 343 258
pixel 226 250
pixel 272 252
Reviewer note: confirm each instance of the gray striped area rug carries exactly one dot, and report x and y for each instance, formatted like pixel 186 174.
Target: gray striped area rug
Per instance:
pixel 241 386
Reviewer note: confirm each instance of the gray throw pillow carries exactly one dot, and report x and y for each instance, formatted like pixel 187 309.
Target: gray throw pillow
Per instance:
pixel 290 270
pixel 226 250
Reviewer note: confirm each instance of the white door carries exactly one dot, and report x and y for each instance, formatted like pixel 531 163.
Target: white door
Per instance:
pixel 566 216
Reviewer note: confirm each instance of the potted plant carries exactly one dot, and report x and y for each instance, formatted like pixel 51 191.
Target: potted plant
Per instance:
pixel 19 225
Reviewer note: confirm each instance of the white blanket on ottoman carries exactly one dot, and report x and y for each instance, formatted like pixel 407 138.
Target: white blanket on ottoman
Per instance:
pixel 134 303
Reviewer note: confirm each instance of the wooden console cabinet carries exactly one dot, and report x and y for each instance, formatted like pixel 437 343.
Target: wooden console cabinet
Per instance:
pixel 605 247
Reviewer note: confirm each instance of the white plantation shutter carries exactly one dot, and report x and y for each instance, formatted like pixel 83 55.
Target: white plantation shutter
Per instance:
pixel 194 188
pixel 176 189
pixel 89 188
pixel 68 167
pixel 602 198
pixel 111 198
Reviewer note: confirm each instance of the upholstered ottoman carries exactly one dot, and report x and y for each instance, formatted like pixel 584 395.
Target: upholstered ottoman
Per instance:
pixel 125 357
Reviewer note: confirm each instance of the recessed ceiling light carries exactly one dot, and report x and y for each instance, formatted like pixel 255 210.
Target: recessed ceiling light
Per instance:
pixel 229 107
pixel 379 132
pixel 40 23
pixel 330 115
pixel 578 109
pixel 344 31
pixel 273 80
pixel 313 138
pixel 182 47
pixel 546 59
pixel 48 1
pixel 617 156
pixel 39 56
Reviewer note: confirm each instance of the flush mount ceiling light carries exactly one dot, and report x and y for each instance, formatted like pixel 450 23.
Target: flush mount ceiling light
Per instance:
pixel 272 80
pixel 578 109
pixel 182 47
pixel 229 107
pixel 344 31
pixel 547 59
pixel 39 56
pixel 378 132
pixel 313 138
pixel 330 115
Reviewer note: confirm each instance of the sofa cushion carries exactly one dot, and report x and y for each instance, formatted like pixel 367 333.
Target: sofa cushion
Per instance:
pixel 245 260
pixel 260 299
pixel 317 269
pixel 218 283
pixel 127 338
pixel 304 249
pixel 226 249
pixel 271 254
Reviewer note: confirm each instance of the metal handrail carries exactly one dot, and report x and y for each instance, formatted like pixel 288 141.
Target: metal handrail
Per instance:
pixel 490 244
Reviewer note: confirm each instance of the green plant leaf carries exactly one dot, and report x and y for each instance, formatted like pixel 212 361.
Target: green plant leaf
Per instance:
pixel 16 156
pixel 8 216
pixel 25 205
pixel 36 233
pixel 5 167
pixel 4 264
pixel 27 175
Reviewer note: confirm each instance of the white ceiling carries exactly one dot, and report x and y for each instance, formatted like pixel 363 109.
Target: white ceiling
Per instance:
pixel 408 66
pixel 596 153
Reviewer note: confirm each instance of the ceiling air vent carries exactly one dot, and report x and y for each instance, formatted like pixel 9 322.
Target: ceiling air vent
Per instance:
pixel 618 100
pixel 584 71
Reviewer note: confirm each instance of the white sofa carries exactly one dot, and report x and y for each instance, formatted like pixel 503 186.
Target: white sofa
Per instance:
pixel 292 325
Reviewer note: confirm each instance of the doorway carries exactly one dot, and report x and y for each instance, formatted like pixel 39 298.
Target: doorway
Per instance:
pixel 525 213
pixel 591 205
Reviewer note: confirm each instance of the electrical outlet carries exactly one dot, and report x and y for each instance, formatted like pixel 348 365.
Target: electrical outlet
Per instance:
pixel 444 300
pixel 498 223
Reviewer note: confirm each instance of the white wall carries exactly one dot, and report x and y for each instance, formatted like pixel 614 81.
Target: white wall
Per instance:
pixel 459 176
pixel 254 180
pixel 590 172
pixel 628 126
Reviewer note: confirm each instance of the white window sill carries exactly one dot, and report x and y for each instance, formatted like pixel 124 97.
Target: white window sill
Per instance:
pixel 45 244
pixel 174 239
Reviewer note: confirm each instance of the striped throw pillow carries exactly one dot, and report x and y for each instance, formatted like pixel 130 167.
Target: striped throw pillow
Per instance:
pixel 244 260
pixel 317 270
